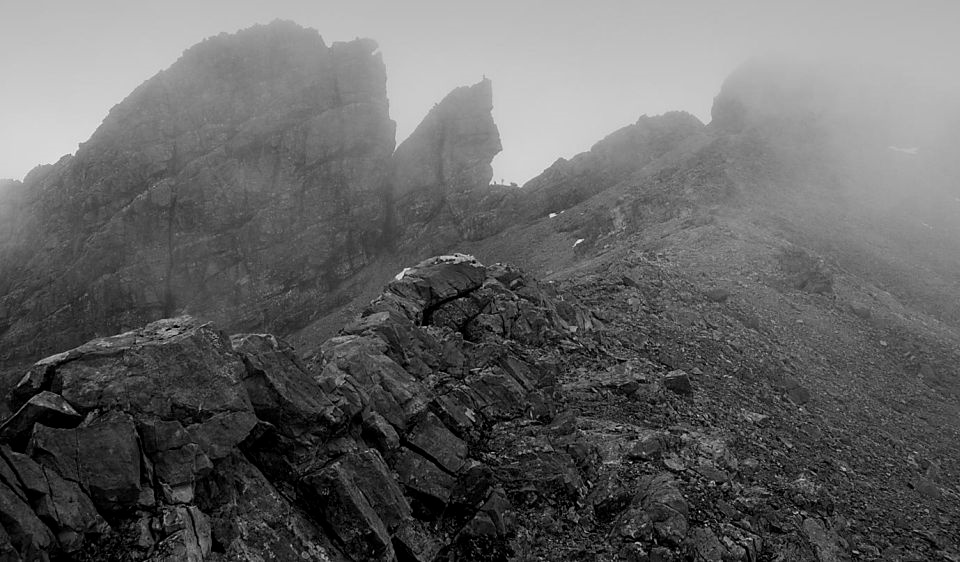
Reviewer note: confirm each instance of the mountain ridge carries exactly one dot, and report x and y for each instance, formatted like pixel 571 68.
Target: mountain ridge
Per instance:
pixel 743 347
pixel 250 147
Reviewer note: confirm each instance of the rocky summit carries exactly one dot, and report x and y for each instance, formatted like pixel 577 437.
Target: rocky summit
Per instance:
pixel 246 183
pixel 733 341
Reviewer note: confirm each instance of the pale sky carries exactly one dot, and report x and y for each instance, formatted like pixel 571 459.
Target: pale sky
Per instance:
pixel 565 73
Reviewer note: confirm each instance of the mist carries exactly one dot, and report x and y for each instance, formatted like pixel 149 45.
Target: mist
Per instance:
pixel 289 300
pixel 565 74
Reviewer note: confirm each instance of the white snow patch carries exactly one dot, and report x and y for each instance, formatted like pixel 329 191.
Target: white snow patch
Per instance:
pixel 400 275
pixel 912 151
pixel 577 243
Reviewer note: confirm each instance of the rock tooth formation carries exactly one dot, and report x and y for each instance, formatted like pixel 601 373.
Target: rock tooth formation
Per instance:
pixel 447 156
pixel 243 184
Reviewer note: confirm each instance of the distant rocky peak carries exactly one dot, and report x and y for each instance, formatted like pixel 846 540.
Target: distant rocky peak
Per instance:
pixel 246 183
pixel 452 148
pixel 614 158
pixel 649 138
pixel 264 79
pixel 248 176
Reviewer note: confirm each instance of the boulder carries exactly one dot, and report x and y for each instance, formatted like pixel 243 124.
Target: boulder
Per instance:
pixel 393 392
pixel 344 508
pixel 60 503
pixel 379 433
pixel 282 392
pixel 45 408
pixel 177 368
pixel 251 520
pixel 657 512
pixel 178 461
pixel 439 444
pixel 102 456
pixel 419 290
pixel 373 477
pixel 187 532
pixel 219 434
pixel 702 545
pixel 825 542
pixel 69 511
pixel 678 382
pixel 485 536
pixel 28 536
pixel 539 475
pixel 414 349
pixel 798 395
pixel 34 381
pixel 651 445
pixel 429 485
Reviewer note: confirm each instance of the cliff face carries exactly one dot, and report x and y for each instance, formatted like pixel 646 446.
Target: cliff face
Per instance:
pixel 450 151
pixel 11 194
pixel 244 184
pixel 442 171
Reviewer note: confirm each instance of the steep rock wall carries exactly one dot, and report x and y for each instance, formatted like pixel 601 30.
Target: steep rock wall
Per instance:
pixel 244 184
pixel 441 174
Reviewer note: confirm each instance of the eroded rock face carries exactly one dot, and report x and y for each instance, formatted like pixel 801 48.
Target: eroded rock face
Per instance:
pixel 11 197
pixel 452 147
pixel 245 183
pixel 198 447
pixel 609 161
pixel 198 189
pixel 441 173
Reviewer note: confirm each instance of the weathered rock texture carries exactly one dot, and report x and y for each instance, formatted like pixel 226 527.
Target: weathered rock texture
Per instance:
pixel 441 171
pixel 244 185
pixel 611 160
pixel 173 442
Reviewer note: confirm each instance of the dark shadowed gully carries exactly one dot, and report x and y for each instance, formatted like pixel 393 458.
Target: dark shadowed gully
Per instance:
pixel 726 342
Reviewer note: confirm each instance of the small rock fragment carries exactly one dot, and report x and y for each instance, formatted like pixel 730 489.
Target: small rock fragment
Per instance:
pixel 678 382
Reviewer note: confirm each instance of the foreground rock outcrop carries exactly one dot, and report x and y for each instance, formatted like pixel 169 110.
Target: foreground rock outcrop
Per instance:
pixel 175 442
